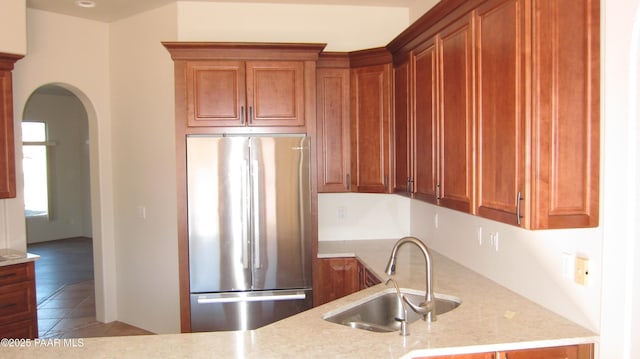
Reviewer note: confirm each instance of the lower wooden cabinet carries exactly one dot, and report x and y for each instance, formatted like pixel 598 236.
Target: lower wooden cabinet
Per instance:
pixel 583 351
pixel 18 309
pixel 339 277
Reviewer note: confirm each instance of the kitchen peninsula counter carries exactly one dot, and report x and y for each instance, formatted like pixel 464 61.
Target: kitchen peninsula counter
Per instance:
pixel 490 318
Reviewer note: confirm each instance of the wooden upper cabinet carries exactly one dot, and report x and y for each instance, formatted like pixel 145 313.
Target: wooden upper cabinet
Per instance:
pixel 402 125
pixel 559 134
pixel 425 107
pixel 216 94
pixel 275 93
pixel 7 144
pixel 505 103
pixel 370 126
pixel 434 148
pixel 333 123
pixel 501 110
pixel 565 132
pixel 456 116
pixel 239 93
pixel 228 87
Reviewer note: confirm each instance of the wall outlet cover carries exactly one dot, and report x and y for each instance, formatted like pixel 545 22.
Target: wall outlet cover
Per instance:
pixel 582 270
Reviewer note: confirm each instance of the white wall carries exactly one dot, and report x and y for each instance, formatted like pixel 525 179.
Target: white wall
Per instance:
pixel 353 216
pixel 73 53
pixel 13 26
pixel 419 7
pixel 144 172
pixel 343 28
pixel 69 192
pixel 620 88
pixel 527 262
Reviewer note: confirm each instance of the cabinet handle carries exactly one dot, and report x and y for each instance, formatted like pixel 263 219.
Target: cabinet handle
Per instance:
pixel 242 115
pixel 348 182
pixel 250 114
pixel 409 185
pixel 438 191
pixel 386 182
pixel 519 199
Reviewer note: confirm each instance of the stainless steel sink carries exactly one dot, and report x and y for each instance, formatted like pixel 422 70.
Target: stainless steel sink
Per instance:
pixel 381 312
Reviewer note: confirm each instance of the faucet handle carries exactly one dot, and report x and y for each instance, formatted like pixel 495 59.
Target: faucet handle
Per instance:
pixel 427 310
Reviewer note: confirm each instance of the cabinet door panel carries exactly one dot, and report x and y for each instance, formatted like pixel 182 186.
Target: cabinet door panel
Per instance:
pixel 500 101
pixel 7 152
pixel 333 122
pixel 566 352
pixel 336 278
pixel 402 130
pixel 275 93
pixel 566 114
pixel 370 104
pixel 425 126
pixel 216 94
pixel 456 116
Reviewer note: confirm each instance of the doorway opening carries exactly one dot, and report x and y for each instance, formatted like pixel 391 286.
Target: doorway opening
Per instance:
pixel 57 192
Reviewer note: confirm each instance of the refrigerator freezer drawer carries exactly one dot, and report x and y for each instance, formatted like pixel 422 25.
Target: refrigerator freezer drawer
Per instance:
pixel 245 310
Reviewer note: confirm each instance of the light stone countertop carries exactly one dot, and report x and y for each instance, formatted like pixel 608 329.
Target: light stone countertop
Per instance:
pixel 11 256
pixel 490 318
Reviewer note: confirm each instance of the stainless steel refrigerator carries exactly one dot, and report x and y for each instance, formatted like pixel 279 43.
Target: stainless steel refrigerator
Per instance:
pixel 249 219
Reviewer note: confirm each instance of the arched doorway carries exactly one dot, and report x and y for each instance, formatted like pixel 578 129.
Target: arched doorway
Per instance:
pixel 57 193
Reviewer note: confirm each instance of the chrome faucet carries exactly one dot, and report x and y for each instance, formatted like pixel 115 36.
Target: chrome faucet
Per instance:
pixel 428 307
pixel 404 331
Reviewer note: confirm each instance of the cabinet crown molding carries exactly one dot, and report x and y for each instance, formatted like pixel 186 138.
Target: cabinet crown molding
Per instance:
pixel 243 51
pixel 8 60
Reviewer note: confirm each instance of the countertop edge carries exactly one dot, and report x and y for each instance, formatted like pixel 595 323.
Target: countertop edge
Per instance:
pixel 10 256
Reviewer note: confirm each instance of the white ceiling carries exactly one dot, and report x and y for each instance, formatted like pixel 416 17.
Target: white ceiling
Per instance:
pixel 112 10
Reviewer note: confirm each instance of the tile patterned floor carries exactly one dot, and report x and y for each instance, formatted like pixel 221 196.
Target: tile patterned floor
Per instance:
pixel 65 292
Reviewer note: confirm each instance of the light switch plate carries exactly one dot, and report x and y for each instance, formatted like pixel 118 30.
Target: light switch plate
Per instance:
pixel 582 271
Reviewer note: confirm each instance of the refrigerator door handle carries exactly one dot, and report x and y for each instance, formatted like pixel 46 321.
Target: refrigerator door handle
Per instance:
pixel 257 298
pixel 246 214
pixel 255 187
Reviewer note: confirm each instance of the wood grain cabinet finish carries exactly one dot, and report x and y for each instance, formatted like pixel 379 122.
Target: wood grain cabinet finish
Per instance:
pixel 538 114
pixel 339 277
pixel 371 127
pixel 434 119
pixel 496 110
pixel 335 278
pixel 501 105
pixel 245 93
pixel 7 143
pixel 582 351
pixel 18 313
pixel 333 123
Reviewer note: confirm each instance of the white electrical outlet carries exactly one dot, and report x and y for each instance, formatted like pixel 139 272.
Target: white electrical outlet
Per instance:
pixel 494 239
pixel 480 236
pixel 142 212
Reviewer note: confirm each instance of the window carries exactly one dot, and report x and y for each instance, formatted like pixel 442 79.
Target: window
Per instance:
pixel 34 163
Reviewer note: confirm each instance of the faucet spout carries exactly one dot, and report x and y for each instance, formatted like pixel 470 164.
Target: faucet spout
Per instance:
pixel 428 307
